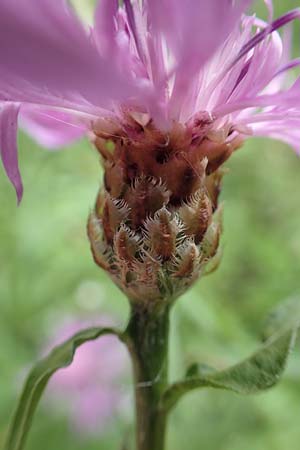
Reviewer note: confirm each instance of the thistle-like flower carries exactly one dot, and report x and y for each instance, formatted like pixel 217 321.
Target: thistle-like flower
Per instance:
pixel 166 90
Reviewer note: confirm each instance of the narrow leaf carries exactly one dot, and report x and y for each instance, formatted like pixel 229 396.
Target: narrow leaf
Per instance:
pixel 258 372
pixel 61 356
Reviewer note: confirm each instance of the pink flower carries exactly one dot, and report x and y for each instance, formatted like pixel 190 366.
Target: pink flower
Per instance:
pixel 91 391
pixel 199 63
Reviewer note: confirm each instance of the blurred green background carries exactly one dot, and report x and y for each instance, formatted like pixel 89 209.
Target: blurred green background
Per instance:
pixel 46 272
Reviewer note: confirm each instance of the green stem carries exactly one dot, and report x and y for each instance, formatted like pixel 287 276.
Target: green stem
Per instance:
pixel 147 340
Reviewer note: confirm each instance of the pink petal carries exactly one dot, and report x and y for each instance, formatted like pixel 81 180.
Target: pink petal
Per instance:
pixel 287 131
pixel 290 65
pixel 262 66
pixel 259 37
pixel 104 28
pixel 46 51
pixel 193 29
pixel 289 98
pixel 146 50
pixel 132 24
pixel 269 4
pixel 8 145
pixel 217 82
pixel 281 78
pixel 52 129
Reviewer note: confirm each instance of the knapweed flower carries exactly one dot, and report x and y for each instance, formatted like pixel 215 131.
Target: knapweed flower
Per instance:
pixel 166 90
pixel 91 392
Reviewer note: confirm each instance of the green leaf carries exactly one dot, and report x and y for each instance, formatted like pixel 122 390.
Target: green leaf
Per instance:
pixel 283 317
pixel 61 356
pixel 199 370
pixel 260 371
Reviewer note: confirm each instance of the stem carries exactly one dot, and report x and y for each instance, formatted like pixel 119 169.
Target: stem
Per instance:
pixel 147 335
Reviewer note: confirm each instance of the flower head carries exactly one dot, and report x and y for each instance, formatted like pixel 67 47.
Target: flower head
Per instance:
pixel 166 90
pixel 201 64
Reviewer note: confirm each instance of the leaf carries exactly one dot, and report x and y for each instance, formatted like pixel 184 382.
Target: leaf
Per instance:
pixel 260 371
pixel 196 370
pixel 61 356
pixel 284 316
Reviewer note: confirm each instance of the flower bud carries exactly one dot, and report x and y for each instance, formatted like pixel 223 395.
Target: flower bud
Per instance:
pixel 157 225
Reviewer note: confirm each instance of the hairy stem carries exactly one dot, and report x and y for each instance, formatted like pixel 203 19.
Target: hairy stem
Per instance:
pixel 147 339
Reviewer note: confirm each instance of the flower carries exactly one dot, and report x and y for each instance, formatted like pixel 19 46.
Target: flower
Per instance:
pixel 91 391
pixel 201 64
pixel 166 90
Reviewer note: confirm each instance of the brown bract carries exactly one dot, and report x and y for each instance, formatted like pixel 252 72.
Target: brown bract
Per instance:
pixel 155 226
